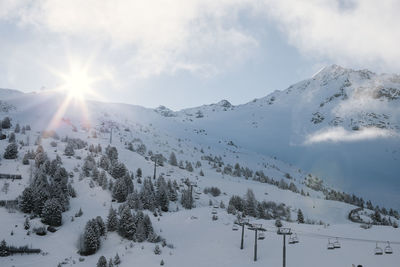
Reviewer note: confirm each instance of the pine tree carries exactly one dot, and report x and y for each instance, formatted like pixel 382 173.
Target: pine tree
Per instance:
pixel 300 216
pixel 172 159
pixel 110 263
pixel 26 202
pixel 120 190
pixel 126 227
pixel 102 262
pixel 157 250
pixel 112 220
pixel 90 241
pixel 17 128
pixel 201 173
pixel 186 199
pixel 6 123
pixel 189 167
pixel 101 225
pixel 52 212
pixel 118 170
pixel 11 151
pixel 139 172
pixel 251 203
pixel 69 149
pixel 117 260
pixel 27 224
pixel 11 138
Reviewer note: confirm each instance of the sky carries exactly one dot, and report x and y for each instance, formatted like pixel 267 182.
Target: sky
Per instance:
pixel 185 53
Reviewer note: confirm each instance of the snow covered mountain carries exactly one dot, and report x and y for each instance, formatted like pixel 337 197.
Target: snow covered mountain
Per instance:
pixel 341 126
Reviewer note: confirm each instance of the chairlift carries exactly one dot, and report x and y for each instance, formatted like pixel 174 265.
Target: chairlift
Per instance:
pixel 330 245
pixel 378 250
pixel 216 207
pixel 196 197
pixel 291 240
pixel 214 211
pixel 295 239
pixel 388 249
pixel 336 244
pixel 261 235
pixel 235 227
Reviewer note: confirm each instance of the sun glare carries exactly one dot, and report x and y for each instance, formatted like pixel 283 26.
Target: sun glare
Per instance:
pixel 77 83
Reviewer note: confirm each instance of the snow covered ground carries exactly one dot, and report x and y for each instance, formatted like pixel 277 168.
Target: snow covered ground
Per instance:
pixel 251 135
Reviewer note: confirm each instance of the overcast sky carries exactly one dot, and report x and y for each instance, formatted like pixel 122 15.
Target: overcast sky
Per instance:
pixel 184 53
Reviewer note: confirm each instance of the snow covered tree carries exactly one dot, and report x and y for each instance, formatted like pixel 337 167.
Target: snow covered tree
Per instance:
pixel 157 250
pixel 11 151
pixel 17 128
pixel 118 170
pixel 90 240
pixel 110 263
pixel 102 262
pixel 139 172
pixel 300 216
pixel 112 153
pixel 11 138
pixel 69 149
pixel 250 204
pixel 27 224
pixel 101 226
pixel 189 166
pixel 172 159
pixel 52 212
pixel 112 220
pixel 201 173
pixel 120 190
pixel 6 123
pixel 186 199
pixel 26 200
pixel 117 260
pixel 127 227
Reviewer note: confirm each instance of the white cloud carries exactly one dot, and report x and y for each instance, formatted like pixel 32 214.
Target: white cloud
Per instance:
pixel 356 32
pixel 339 134
pixel 159 36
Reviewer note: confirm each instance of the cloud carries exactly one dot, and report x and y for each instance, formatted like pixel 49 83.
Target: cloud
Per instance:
pixel 201 36
pixel 339 134
pixel 353 32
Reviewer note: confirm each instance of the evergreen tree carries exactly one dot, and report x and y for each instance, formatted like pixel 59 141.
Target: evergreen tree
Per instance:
pixel 104 163
pixel 110 263
pixel 26 201
pixel 52 212
pixel 186 199
pixel 251 203
pixel 102 262
pixel 11 151
pixel 127 227
pixel 90 241
pixel 120 190
pixel 23 130
pixel 172 159
pixel 27 224
pixel 69 149
pixel 189 167
pixel 117 260
pixel 201 173
pixel 6 123
pixel 118 170
pixel 17 128
pixel 101 226
pixel 300 216
pixel 112 220
pixel 139 172
pixel 11 138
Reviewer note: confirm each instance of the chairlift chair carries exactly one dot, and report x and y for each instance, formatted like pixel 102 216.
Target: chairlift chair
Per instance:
pixel 235 227
pixel 261 235
pixel 330 245
pixel 378 250
pixel 291 240
pixel 295 239
pixel 336 244
pixel 214 211
pixel 388 249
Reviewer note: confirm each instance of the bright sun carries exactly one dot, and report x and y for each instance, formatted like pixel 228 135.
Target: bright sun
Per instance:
pixel 77 83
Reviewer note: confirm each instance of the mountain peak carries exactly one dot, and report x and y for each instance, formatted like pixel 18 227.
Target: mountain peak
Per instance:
pixel 224 103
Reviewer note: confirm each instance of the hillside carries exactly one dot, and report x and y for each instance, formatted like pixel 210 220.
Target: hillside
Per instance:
pixel 296 150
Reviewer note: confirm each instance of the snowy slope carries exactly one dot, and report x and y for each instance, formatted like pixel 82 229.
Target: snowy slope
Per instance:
pixel 353 148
